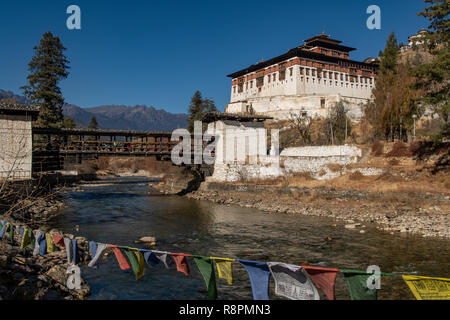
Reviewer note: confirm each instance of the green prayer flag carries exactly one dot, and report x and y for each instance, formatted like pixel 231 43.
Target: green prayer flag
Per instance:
pixel 206 268
pixel 135 264
pixel 357 285
pixel 32 239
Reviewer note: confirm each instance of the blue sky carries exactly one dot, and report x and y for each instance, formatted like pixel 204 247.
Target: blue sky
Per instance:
pixel 160 52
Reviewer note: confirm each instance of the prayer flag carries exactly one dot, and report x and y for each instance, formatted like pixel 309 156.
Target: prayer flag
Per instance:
pixel 161 256
pixel 69 250
pixel 97 250
pixel 50 244
pixel 75 252
pixel 150 257
pixel 357 285
pixel 259 274
pixel 137 262
pixel 324 279
pixel 41 244
pixel 26 240
pixel 2 232
pixel 224 268
pixel 206 268
pixel 59 240
pixel 20 229
pixel 141 264
pixel 428 288
pixel 123 263
pixel 292 282
pixel 10 227
pixel 92 248
pixel 181 262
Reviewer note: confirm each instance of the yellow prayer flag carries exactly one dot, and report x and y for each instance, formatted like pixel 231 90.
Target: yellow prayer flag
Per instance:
pixel 141 264
pixel 224 268
pixel 50 243
pixel 25 239
pixel 427 288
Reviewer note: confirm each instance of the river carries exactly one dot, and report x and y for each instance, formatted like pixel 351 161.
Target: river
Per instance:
pixel 120 210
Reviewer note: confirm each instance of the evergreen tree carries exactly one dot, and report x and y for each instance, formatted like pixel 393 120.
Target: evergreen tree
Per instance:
pixel 198 108
pixel 69 123
pixel 434 77
pixel 48 66
pixel 93 124
pixel 389 57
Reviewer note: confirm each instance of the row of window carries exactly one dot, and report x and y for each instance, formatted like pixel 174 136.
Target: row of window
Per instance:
pixel 305 72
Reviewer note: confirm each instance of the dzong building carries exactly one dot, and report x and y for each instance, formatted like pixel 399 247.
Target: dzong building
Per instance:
pixel 307 79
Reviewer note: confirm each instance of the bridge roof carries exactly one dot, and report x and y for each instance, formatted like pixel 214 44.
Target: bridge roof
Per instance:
pixel 214 116
pixel 99 132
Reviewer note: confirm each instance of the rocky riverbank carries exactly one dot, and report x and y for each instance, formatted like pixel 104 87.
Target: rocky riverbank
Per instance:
pixel 24 276
pixel 27 276
pixel 423 214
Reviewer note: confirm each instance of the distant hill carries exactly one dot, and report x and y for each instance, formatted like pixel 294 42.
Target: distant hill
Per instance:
pixel 10 95
pixel 139 117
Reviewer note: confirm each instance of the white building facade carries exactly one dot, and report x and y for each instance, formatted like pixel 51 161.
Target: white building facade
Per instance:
pixel 307 80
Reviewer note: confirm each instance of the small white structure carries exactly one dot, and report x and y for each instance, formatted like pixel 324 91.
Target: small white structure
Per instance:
pixel 16 140
pixel 243 153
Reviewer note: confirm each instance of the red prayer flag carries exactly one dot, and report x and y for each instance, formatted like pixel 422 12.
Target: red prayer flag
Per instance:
pixel 324 279
pixel 181 261
pixel 123 263
pixel 58 240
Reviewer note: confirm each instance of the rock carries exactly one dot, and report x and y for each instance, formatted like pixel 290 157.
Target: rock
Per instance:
pixel 362 231
pixel 148 240
pixel 350 226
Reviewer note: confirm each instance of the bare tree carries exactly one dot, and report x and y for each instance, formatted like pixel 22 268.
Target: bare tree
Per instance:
pixel 302 123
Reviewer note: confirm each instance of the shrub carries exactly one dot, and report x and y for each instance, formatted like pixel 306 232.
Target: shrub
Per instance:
pixel 377 149
pixel 399 149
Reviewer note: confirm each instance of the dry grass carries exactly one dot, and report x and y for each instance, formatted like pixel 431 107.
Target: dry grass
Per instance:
pixel 335 167
pixel 377 149
pixel 399 149
pixel 356 176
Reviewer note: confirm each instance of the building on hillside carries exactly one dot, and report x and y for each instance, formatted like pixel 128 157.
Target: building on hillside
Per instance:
pixel 16 140
pixel 417 40
pixel 305 80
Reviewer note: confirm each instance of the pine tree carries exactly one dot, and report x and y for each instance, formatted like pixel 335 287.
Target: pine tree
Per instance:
pixel 390 55
pixel 69 123
pixel 198 108
pixel 93 124
pixel 48 66
pixel 434 77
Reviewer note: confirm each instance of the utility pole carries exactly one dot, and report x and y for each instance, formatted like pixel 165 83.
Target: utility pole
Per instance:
pixel 346 128
pixel 332 136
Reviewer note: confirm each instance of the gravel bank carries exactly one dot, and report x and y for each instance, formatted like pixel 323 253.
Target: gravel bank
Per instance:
pixel 353 207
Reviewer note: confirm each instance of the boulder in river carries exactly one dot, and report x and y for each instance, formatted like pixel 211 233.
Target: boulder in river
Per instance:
pixel 147 240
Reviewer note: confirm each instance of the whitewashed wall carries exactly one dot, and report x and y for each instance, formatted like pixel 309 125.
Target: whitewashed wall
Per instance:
pixel 15 147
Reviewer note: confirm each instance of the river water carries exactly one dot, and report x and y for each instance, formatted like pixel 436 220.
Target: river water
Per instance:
pixel 120 210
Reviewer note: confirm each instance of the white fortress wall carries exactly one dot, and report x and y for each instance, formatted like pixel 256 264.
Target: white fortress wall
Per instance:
pixel 302 88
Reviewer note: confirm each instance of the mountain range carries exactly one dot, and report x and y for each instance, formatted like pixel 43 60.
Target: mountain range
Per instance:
pixel 139 117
